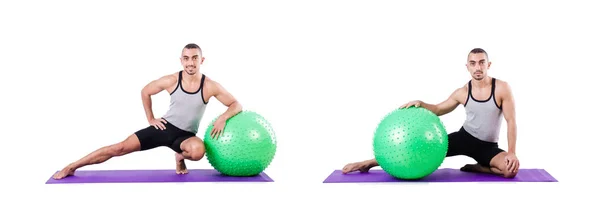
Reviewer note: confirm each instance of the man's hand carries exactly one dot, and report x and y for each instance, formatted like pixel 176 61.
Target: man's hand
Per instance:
pixel 512 163
pixel 416 103
pixel 218 127
pixel 158 123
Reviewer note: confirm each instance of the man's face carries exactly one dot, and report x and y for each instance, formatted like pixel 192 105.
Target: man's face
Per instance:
pixel 191 60
pixel 478 65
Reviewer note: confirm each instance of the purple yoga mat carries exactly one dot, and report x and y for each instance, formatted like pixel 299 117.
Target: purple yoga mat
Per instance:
pixel 440 175
pixel 153 176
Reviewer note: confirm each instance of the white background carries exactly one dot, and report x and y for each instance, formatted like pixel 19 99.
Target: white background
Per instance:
pixel 322 72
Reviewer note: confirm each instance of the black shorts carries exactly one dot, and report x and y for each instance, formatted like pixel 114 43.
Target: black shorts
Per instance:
pixel 171 137
pixel 463 143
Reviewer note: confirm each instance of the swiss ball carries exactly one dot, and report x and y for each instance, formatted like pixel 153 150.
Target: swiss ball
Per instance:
pixel 245 147
pixel 410 143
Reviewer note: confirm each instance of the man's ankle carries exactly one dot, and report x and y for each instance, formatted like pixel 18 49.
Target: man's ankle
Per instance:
pixel 72 166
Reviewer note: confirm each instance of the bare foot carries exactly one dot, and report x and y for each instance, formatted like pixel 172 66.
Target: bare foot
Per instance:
pixel 180 164
pixel 363 167
pixel 475 168
pixel 67 171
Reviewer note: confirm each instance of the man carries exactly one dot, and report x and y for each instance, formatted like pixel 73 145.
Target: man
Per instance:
pixel 190 92
pixel 486 100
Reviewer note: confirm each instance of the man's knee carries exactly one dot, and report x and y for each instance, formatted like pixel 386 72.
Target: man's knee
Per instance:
pixel 500 166
pixel 129 145
pixel 196 149
pixel 197 153
pixel 116 149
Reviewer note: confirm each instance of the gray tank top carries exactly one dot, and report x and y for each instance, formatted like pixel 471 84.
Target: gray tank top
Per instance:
pixel 484 117
pixel 187 108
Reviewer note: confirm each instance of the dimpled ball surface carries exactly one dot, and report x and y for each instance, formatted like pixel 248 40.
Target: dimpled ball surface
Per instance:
pixel 410 143
pixel 246 146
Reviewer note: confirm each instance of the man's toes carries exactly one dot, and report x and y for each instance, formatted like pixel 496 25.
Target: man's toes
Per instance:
pixel 346 169
pixel 58 176
pixel 182 171
pixel 509 174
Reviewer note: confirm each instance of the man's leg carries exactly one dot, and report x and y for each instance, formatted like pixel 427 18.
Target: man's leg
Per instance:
pixel 129 145
pixel 454 148
pixel 496 166
pixel 363 166
pixel 190 148
pixel 490 159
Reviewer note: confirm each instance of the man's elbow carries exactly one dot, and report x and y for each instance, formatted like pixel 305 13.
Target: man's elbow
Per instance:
pixel 238 106
pixel 437 110
pixel 144 92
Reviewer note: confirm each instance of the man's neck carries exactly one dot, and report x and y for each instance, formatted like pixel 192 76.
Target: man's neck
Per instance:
pixel 192 78
pixel 485 82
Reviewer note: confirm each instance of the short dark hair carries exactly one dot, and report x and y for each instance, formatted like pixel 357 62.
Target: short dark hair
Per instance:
pixel 193 46
pixel 479 50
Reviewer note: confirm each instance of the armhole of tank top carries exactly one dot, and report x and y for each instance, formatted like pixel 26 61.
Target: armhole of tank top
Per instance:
pixel 468 93
pixel 202 89
pixel 178 83
pixel 494 93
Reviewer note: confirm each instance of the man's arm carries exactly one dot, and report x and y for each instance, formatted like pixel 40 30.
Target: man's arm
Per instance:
pixel 153 88
pixel 508 109
pixel 444 107
pixel 234 107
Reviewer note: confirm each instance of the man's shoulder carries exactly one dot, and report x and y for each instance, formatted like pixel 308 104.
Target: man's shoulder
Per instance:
pixel 502 85
pixel 209 82
pixel 166 80
pixel 459 93
pixel 170 77
pixel 500 81
pixel 462 89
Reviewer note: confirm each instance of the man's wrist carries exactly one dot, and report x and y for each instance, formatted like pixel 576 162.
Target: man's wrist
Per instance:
pixel 150 119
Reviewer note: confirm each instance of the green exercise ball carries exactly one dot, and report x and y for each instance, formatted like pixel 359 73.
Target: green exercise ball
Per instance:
pixel 246 146
pixel 410 143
